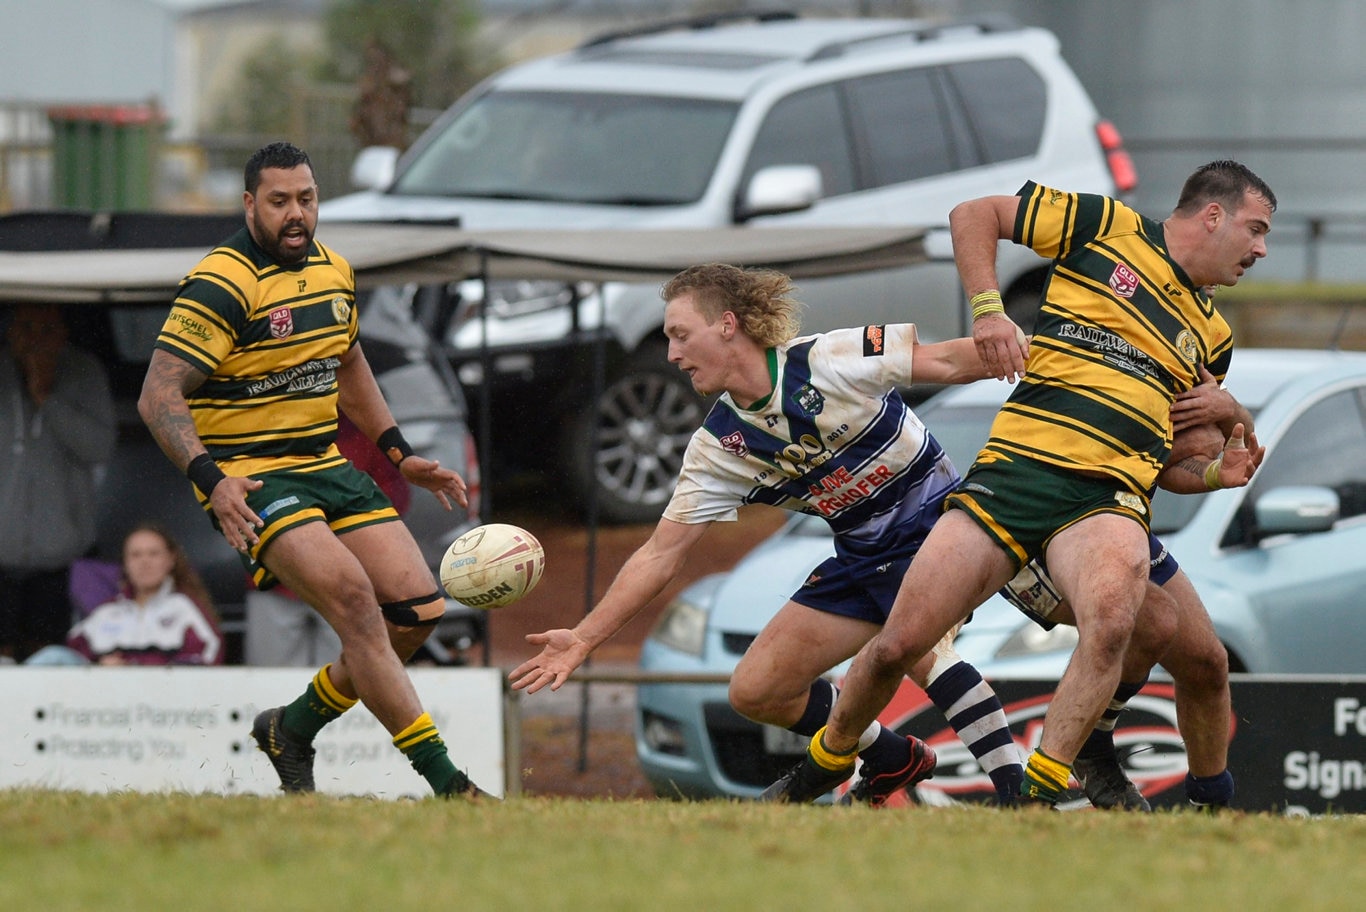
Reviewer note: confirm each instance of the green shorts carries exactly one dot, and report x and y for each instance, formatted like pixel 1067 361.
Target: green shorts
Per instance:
pixel 1022 503
pixel 340 495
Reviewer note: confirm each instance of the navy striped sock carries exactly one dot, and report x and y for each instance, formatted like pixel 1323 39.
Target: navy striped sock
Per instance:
pixel 975 712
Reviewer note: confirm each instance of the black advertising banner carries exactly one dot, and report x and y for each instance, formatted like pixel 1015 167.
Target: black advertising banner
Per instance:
pixel 1298 743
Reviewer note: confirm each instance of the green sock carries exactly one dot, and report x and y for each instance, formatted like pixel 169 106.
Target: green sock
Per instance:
pixel 421 743
pixel 1044 778
pixel 319 704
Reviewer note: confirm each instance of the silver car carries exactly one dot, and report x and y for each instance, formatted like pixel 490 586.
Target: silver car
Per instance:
pixel 755 119
pixel 1278 564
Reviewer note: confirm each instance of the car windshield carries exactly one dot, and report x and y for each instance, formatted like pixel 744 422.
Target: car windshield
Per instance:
pixel 575 147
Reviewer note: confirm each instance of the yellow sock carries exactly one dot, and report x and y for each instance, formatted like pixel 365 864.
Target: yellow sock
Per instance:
pixel 1045 777
pixel 827 758
pixel 422 729
pixel 322 681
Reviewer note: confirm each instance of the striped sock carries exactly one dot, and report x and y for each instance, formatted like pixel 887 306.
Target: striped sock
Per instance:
pixel 319 704
pixel 1101 741
pixel 888 750
pixel 1044 777
pixel 975 713
pixel 421 743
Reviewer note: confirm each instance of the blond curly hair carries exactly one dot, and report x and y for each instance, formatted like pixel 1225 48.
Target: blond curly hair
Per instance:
pixel 761 299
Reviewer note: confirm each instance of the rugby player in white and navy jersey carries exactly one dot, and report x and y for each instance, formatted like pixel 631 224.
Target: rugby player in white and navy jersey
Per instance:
pixel 813 424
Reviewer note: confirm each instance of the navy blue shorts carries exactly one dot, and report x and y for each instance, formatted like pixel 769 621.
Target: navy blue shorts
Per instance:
pixel 863 589
pixel 1161 565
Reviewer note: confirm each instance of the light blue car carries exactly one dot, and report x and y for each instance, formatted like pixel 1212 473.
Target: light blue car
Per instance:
pixel 1279 564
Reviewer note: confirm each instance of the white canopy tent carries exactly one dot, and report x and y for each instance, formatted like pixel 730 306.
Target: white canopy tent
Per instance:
pixel 391 254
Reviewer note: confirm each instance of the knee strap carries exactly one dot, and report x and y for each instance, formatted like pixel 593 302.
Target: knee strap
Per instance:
pixel 410 613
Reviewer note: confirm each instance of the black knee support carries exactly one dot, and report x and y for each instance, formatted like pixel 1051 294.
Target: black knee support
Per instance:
pixel 404 613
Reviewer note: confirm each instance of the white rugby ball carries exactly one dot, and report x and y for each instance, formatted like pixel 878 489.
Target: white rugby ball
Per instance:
pixel 492 565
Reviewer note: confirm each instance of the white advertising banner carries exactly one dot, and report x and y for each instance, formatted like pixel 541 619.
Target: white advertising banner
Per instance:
pixel 189 730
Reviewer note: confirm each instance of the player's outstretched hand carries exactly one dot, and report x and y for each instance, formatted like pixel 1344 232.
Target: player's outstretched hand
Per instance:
pixel 446 484
pixel 1002 346
pixel 562 651
pixel 237 521
pixel 1240 459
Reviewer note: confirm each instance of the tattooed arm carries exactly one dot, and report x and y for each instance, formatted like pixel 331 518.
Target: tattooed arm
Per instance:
pixel 1202 460
pixel 165 410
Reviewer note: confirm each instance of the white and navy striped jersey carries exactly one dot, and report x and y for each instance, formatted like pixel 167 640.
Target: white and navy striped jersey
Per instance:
pixel 834 439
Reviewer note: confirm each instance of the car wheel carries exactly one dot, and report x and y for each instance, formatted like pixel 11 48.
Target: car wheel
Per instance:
pixel 645 418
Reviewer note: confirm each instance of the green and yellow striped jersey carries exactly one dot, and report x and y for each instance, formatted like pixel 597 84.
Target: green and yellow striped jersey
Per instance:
pixel 1120 332
pixel 270 338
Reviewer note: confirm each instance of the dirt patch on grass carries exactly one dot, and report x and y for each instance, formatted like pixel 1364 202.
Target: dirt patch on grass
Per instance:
pixel 557 757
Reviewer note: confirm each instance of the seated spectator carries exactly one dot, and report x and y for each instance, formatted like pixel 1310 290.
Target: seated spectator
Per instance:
pixel 58 428
pixel 163 615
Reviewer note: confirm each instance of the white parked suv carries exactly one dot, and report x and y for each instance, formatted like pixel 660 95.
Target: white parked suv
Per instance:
pixel 734 119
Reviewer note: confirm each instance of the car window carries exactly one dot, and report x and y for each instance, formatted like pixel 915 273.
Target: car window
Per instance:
pixel 806 128
pixel 1006 100
pixel 902 116
pixel 582 147
pixel 1325 446
pixel 960 430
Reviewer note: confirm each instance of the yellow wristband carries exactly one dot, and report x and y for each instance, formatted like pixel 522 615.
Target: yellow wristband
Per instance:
pixel 986 302
pixel 1212 481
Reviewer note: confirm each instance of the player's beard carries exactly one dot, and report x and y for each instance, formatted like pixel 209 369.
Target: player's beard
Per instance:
pixel 273 243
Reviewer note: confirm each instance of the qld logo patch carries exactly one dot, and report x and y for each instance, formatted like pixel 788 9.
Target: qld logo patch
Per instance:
pixel 735 444
pixel 1124 281
pixel 282 322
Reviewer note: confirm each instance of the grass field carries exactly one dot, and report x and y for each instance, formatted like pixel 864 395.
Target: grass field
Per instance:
pixel 68 851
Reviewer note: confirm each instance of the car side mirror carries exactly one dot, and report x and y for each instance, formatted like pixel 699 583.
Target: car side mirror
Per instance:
pixel 374 168
pixel 780 188
pixel 1296 510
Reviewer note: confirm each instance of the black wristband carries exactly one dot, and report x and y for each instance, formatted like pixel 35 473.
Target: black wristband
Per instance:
pixel 205 473
pixel 392 444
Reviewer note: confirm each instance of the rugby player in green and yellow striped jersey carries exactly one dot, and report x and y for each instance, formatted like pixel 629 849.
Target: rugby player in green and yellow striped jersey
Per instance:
pixel 1125 327
pixel 256 357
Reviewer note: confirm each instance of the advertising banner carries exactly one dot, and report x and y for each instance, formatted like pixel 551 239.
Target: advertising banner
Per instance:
pixel 189 729
pixel 1298 743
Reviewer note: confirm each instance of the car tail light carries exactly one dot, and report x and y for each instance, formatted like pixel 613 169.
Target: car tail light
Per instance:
pixel 1117 157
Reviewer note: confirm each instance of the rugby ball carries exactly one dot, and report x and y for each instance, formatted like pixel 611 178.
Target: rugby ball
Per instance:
pixel 492 565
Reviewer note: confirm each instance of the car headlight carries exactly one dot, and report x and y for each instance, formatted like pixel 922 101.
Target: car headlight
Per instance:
pixel 1031 639
pixel 681 626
